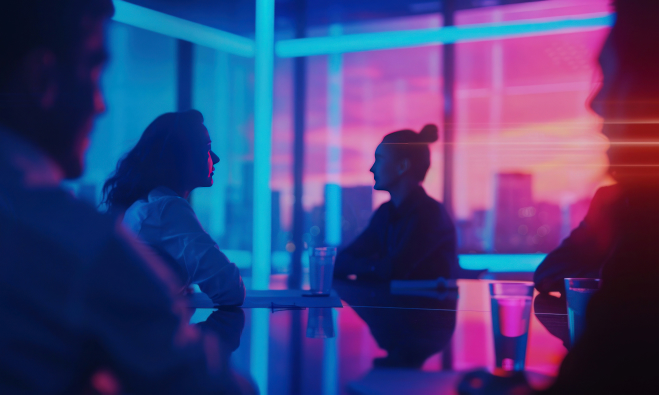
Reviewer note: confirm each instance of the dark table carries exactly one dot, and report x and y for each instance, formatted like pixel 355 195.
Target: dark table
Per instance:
pixel 379 342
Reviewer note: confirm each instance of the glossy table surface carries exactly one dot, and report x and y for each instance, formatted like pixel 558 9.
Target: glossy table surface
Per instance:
pixel 381 342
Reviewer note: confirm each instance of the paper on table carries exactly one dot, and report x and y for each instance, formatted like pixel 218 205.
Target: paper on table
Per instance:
pixel 266 298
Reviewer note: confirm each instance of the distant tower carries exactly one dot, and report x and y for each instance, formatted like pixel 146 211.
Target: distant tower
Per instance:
pixel 356 210
pixel 513 213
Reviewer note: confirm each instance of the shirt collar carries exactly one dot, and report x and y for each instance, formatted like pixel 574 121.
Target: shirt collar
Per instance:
pixel 37 169
pixel 159 192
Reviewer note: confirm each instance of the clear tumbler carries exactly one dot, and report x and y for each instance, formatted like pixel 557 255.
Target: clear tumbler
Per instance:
pixel 321 269
pixel 511 312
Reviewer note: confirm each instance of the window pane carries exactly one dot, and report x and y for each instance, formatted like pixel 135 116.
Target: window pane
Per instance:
pixel 529 152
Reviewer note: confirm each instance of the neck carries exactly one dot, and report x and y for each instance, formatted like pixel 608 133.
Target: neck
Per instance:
pixel 184 193
pixel 401 191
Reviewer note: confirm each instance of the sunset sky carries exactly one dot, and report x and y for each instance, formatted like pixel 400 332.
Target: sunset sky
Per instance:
pixel 521 106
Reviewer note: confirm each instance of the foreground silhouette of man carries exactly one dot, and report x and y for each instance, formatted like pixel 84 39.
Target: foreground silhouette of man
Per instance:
pixel 618 352
pixel 81 308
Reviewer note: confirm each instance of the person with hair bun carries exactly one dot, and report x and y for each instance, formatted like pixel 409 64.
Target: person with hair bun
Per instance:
pixel 410 237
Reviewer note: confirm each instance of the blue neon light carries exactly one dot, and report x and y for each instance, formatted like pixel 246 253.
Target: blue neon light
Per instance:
pixel 502 262
pixel 334 122
pixel 333 214
pixel 172 26
pixel 445 35
pixel 263 90
pixel 330 375
pixel 258 353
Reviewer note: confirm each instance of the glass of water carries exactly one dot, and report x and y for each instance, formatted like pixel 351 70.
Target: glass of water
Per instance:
pixel 320 323
pixel 321 269
pixel 511 313
pixel 578 293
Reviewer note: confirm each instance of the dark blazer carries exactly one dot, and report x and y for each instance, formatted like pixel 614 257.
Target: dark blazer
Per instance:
pixel 78 296
pixel 584 252
pixel 618 352
pixel 414 241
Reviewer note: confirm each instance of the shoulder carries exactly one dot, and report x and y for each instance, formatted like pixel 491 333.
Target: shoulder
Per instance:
pixel 384 207
pixel 160 202
pixel 55 215
pixel 382 212
pixel 607 195
pixel 429 210
pixel 432 206
pixel 604 202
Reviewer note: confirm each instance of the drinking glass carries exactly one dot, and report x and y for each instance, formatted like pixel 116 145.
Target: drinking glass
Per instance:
pixel 578 293
pixel 511 312
pixel 321 269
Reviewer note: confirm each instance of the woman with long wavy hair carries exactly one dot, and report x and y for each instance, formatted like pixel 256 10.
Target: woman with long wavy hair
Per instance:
pixel 150 186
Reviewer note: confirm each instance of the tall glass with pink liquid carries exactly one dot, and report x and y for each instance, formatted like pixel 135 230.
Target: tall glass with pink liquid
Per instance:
pixel 511 313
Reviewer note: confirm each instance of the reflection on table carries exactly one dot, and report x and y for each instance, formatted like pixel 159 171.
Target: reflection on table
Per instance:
pixel 381 342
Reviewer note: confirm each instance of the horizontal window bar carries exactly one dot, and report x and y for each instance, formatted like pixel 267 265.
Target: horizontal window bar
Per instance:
pixel 434 36
pixel 182 29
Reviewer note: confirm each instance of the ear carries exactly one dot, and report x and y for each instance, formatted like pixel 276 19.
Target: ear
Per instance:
pixel 40 77
pixel 403 166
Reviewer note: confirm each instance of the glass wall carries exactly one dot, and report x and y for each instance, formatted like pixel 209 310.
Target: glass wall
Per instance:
pixel 139 83
pixel 223 87
pixel 529 153
pixel 353 101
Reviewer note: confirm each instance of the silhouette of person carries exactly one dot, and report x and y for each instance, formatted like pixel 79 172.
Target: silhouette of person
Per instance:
pixel 227 323
pixel 618 353
pixel 423 326
pixel 82 306
pixel 411 236
pixel 584 252
pixel 619 349
pixel 152 182
pixel 627 102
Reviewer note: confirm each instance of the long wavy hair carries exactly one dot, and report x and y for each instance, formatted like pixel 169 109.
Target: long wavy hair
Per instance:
pixel 160 158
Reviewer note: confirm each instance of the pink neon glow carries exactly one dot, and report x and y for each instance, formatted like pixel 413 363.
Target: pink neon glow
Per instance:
pixel 521 106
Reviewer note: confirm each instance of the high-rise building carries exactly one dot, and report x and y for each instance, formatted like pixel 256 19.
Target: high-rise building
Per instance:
pixel 356 210
pixel 546 229
pixel 522 225
pixel 471 233
pixel 240 215
pixel 513 213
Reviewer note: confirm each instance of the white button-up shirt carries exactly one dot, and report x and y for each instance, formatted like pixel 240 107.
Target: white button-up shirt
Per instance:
pixel 167 223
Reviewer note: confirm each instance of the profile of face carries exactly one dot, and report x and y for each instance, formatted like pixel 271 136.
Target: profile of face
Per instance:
pixel 202 160
pixel 633 157
pixel 70 96
pixel 388 168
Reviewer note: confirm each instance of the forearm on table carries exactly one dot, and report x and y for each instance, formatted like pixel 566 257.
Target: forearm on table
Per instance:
pixel 225 287
pixel 363 267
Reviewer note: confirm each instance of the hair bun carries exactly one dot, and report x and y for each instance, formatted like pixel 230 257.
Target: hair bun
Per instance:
pixel 429 133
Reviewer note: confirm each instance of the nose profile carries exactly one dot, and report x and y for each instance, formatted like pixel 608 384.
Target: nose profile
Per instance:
pixel 597 101
pixel 214 157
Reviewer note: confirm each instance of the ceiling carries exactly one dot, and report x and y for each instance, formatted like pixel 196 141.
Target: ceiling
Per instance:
pixel 237 16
